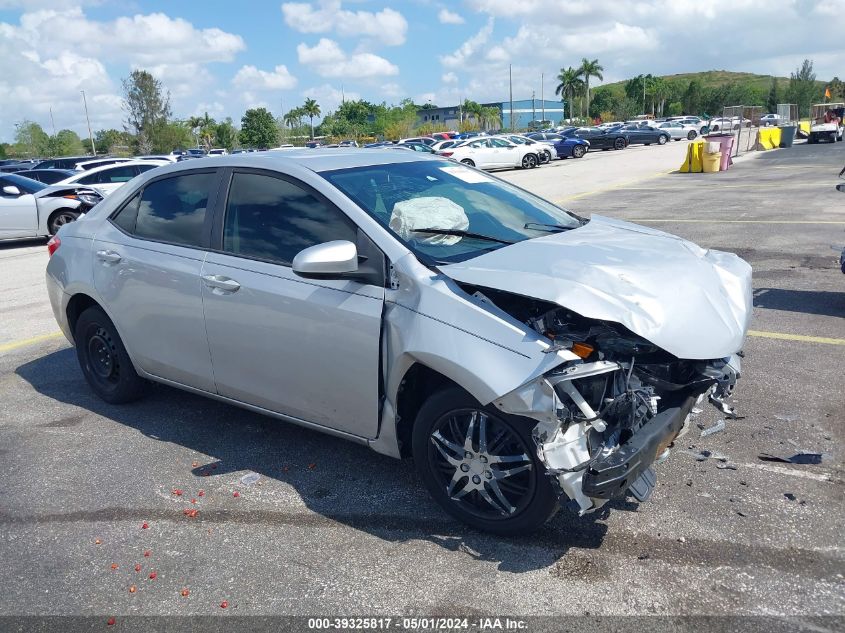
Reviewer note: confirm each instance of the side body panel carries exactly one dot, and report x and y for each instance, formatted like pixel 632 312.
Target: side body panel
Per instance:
pixel 18 216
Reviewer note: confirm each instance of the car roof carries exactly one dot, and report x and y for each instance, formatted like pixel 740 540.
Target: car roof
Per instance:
pixel 95 170
pixel 317 160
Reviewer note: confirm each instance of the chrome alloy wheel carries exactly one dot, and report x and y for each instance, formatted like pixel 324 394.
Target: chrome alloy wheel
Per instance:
pixel 482 463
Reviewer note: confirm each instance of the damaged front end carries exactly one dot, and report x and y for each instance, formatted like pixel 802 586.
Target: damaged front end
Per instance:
pixel 605 419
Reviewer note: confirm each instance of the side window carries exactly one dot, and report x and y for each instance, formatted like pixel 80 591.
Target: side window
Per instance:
pixel 270 218
pixel 118 174
pixel 90 179
pixel 174 209
pixel 128 215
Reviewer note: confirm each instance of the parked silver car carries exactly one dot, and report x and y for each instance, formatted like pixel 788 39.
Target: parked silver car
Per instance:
pixel 518 352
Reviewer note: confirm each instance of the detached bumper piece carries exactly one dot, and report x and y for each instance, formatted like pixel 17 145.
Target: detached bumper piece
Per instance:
pixel 629 465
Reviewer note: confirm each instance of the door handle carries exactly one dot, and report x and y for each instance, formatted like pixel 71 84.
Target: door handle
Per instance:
pixel 110 257
pixel 221 283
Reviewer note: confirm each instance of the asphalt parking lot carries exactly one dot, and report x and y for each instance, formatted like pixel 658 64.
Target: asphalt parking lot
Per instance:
pixel 333 528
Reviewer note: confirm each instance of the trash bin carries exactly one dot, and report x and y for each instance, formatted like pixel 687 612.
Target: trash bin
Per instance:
pixel 726 146
pixel 711 162
pixel 787 135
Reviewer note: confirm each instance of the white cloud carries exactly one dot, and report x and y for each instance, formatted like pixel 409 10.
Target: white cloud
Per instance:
pixel 470 51
pixel 449 17
pixel 387 26
pixel 449 78
pixel 329 60
pixel 328 97
pixel 255 79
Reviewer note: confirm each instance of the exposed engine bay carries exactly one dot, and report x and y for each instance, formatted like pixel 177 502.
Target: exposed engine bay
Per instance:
pixel 606 418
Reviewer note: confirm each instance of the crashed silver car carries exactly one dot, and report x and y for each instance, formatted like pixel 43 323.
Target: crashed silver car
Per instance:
pixel 523 356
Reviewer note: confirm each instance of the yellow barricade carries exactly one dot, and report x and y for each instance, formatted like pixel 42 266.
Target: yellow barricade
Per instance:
pixel 692 163
pixel 768 138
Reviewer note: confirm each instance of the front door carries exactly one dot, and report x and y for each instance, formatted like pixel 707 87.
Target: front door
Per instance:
pixel 147 265
pixel 305 348
pixel 18 213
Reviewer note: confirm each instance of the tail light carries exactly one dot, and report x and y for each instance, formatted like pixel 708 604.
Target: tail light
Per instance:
pixel 53 245
pixel 446 154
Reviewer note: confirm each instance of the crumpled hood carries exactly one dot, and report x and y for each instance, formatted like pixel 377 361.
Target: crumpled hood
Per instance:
pixel 693 303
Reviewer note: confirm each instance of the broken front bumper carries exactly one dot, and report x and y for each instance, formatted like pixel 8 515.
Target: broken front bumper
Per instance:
pixel 611 475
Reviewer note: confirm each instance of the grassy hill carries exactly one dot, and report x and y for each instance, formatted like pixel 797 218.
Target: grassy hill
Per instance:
pixel 714 78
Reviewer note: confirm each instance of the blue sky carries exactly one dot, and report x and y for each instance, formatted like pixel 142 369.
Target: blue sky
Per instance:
pixel 223 57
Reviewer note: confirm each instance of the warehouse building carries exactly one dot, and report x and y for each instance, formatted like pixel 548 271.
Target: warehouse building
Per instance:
pixel 525 111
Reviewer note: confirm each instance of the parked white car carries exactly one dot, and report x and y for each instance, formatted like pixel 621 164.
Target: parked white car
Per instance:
pixel 546 151
pixel 427 140
pixel 218 152
pixel 770 119
pixel 728 123
pixel 29 208
pixel 109 178
pixel 493 153
pixel 449 142
pixel 678 129
pixel 87 165
pixel 170 158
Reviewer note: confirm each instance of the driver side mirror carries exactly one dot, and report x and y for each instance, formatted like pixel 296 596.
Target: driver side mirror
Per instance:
pixel 11 190
pixel 840 188
pixel 328 260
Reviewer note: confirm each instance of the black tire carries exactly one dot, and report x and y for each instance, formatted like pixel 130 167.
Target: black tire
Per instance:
pixel 715 128
pixel 103 359
pixel 691 135
pixel 527 501
pixel 579 151
pixel 529 161
pixel 662 139
pixel 619 143
pixel 59 219
pixel 467 161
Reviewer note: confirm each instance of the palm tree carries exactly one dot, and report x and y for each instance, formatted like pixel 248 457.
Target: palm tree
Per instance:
pixel 292 118
pixel 490 117
pixel 311 109
pixel 570 83
pixel 590 69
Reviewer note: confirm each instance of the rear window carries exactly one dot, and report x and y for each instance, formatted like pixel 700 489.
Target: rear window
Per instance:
pixel 170 210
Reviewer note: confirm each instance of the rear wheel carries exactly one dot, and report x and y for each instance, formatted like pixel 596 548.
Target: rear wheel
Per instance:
pixel 59 219
pixel 480 465
pixel 691 135
pixel 104 360
pixel 578 151
pixel 619 143
pixel 467 161
pixel 529 161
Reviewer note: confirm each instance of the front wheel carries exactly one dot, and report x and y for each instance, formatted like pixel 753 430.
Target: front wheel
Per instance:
pixel 529 161
pixel 578 151
pixel 104 360
pixel 661 140
pixel 467 161
pixel 619 143
pixel 480 465
pixel 59 219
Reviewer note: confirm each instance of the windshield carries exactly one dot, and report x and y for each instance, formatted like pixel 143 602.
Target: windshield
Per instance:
pixel 472 212
pixel 27 185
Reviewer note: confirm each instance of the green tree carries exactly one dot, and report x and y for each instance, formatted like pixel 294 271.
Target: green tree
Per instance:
pixel 106 140
pixel 258 129
pixel 774 98
pixel 490 117
pixel 658 90
pixel 311 109
pixel 147 107
pixel 692 97
pixel 588 69
pixel 65 143
pixel 675 108
pixel 802 87
pixel 570 83
pixel 226 134
pixel 602 103
pixel 837 89
pixel 174 135
pixel 31 140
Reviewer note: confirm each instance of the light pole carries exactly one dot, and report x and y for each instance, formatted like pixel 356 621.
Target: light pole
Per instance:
pixel 90 136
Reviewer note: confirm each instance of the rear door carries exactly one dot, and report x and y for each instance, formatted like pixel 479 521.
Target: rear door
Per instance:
pixel 147 266
pixel 305 348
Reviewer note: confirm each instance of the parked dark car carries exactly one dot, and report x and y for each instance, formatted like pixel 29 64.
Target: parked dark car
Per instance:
pixel 642 134
pixel 416 147
pixel 48 176
pixel 68 162
pixel 13 168
pixel 598 138
pixel 565 147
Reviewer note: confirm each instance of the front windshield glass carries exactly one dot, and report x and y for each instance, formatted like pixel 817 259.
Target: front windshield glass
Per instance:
pixel 27 185
pixel 472 212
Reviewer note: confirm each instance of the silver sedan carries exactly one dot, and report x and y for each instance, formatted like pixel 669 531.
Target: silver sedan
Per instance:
pixel 518 352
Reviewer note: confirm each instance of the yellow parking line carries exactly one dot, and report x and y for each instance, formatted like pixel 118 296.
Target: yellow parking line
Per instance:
pixel 7 347
pixel 797 337
pixel 718 221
